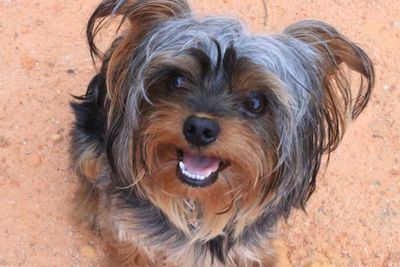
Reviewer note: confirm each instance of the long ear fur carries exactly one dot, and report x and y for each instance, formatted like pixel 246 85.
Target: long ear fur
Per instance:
pixel 332 103
pixel 335 50
pixel 142 15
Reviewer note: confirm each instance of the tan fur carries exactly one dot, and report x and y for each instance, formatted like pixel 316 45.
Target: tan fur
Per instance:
pixel 89 164
pixel 85 204
pixel 123 254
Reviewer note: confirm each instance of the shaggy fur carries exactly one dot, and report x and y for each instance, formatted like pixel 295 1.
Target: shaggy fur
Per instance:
pixel 280 102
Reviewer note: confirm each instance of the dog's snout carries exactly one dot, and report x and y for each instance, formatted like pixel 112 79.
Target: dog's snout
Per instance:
pixel 200 131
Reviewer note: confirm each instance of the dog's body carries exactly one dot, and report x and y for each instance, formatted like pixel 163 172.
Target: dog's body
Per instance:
pixel 195 137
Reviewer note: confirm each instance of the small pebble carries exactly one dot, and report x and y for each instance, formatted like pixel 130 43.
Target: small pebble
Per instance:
pixel 386 87
pixel 56 138
pixel 396 24
pixel 4 142
pixel 88 251
pixel 71 71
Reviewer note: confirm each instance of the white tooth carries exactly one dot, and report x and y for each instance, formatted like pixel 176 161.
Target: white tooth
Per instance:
pixel 181 165
pixel 192 175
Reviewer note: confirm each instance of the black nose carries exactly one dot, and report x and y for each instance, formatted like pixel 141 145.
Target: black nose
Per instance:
pixel 200 131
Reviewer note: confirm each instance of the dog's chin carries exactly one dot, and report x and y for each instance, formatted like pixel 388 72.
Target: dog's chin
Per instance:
pixel 197 170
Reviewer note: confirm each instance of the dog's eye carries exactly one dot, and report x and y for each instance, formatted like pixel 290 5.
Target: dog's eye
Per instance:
pixel 254 104
pixel 177 82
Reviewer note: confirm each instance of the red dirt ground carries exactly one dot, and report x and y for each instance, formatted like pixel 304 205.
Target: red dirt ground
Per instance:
pixel 353 219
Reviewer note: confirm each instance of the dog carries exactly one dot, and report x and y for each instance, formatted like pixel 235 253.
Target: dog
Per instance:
pixel 195 137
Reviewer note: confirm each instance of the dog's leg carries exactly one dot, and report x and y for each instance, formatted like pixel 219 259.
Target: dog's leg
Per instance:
pixel 122 255
pixel 85 204
pixel 126 255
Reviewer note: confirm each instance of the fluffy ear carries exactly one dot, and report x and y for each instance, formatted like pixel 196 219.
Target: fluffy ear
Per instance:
pixel 143 15
pixel 327 57
pixel 335 51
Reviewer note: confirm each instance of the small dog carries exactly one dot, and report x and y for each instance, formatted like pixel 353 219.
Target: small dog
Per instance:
pixel 196 137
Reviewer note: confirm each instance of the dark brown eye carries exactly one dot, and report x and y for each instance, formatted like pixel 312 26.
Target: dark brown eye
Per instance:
pixel 177 82
pixel 254 104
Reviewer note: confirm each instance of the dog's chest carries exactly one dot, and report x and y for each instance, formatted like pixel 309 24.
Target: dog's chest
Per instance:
pixel 192 214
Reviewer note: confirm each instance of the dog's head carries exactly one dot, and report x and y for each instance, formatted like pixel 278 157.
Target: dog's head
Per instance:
pixel 215 125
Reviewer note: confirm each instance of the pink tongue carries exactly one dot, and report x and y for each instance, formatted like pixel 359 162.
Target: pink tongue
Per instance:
pixel 200 165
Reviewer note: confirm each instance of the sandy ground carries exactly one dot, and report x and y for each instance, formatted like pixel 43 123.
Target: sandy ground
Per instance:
pixel 353 219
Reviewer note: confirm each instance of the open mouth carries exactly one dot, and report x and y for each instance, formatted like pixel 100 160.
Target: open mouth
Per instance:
pixel 197 170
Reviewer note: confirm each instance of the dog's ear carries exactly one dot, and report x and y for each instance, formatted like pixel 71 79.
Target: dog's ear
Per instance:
pixel 334 51
pixel 327 57
pixel 142 15
pixel 138 18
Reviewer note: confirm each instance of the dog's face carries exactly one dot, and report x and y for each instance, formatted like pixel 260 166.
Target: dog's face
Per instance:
pixel 207 131
pixel 206 119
